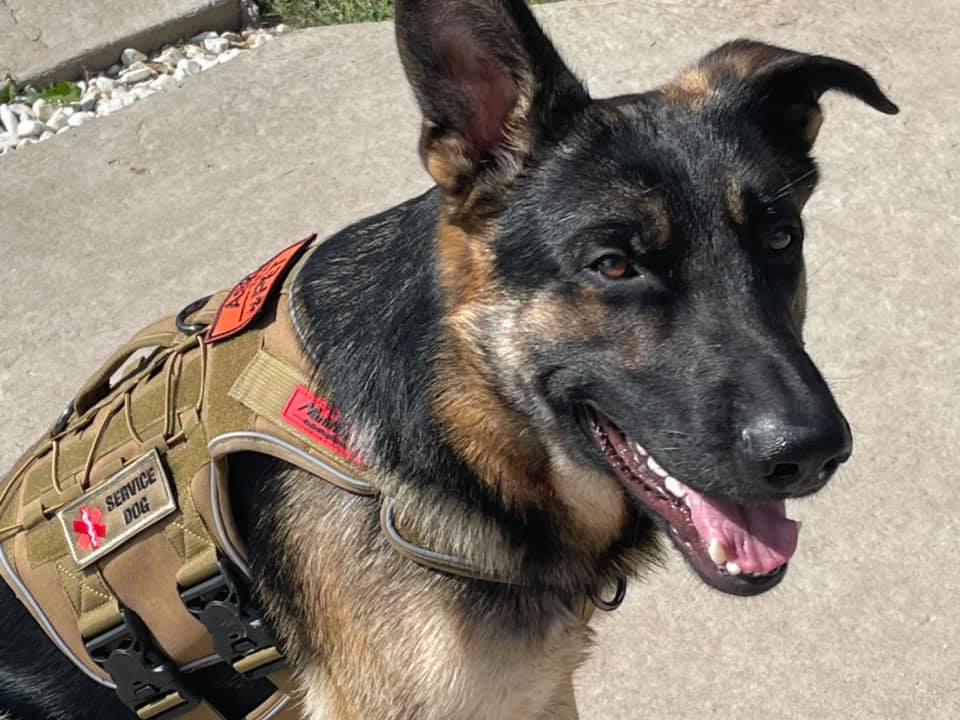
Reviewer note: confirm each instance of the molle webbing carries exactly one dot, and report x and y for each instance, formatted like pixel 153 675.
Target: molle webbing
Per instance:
pixel 169 392
pixel 153 406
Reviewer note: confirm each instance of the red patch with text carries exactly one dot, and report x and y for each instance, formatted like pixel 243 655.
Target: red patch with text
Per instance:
pixel 317 418
pixel 245 302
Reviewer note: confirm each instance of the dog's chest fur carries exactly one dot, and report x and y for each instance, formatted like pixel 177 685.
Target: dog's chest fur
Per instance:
pixel 375 636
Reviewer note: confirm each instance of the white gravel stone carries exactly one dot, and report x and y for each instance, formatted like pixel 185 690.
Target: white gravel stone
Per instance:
pixel 164 82
pixel 189 67
pixel 216 45
pixel 142 91
pixel 170 57
pixel 43 109
pixel 130 56
pixel 59 118
pixel 136 73
pixel 30 128
pixel 124 84
pixel 89 100
pixel 8 119
pixel 24 112
pixel 108 106
pixel 228 55
pixel 78 119
pixel 104 85
pixel 126 99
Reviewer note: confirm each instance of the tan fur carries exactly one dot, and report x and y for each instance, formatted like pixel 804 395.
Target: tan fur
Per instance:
pixel 525 469
pixel 656 217
pixel 445 159
pixel 814 121
pixel 383 638
pixel 464 264
pixel 691 88
pixel 479 424
pixel 734 200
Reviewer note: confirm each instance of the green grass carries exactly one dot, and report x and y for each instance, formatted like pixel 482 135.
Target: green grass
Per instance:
pixel 63 92
pixel 330 12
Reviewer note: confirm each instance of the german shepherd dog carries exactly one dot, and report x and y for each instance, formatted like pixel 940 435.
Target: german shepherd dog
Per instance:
pixel 586 337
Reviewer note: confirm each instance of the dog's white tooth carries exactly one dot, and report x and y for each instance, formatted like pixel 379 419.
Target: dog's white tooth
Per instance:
pixel 638 449
pixel 733 568
pixel 675 486
pixel 655 466
pixel 716 552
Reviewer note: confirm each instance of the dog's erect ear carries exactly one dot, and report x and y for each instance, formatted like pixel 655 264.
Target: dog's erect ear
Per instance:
pixel 781 88
pixel 489 82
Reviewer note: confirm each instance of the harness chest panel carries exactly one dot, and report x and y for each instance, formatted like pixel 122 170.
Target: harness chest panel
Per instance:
pixel 123 509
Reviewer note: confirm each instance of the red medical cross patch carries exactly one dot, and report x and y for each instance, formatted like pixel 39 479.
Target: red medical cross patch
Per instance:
pixel 89 528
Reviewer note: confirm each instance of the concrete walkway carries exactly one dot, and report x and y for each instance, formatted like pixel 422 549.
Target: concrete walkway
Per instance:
pixel 44 41
pixel 134 215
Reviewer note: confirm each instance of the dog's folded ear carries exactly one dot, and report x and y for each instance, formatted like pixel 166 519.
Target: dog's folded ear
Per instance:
pixel 490 85
pixel 779 88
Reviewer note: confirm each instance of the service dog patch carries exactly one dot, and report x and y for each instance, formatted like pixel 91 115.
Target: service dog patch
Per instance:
pixel 245 302
pixel 117 510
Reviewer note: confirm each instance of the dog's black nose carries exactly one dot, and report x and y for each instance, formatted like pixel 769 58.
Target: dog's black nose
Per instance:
pixel 794 459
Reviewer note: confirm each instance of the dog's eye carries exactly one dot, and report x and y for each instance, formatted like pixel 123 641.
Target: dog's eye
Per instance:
pixel 614 267
pixel 783 237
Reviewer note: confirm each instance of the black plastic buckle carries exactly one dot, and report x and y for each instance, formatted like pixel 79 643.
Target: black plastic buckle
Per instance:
pixel 240 634
pixel 147 682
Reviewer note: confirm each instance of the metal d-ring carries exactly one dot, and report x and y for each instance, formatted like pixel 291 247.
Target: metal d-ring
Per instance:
pixel 610 605
pixel 191 328
pixel 61 424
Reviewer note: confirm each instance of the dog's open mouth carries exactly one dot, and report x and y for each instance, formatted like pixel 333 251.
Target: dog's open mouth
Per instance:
pixel 742 549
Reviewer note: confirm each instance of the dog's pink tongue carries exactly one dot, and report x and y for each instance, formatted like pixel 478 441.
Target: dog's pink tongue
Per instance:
pixel 759 538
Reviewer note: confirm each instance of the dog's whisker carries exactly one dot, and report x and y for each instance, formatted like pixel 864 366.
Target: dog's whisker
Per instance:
pixel 785 190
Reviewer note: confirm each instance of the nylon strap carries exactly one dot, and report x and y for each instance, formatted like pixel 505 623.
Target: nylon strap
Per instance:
pixel 203 711
pixel 267 386
pixel 95 604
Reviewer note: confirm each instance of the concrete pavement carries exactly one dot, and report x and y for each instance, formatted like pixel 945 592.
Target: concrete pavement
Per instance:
pixel 136 214
pixel 44 41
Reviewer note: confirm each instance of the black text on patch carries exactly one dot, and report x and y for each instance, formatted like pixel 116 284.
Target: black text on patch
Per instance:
pixel 117 510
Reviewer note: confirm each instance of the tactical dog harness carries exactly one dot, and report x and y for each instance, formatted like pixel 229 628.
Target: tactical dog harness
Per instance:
pixel 116 530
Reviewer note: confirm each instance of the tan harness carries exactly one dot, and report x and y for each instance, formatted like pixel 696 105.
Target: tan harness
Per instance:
pixel 116 530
